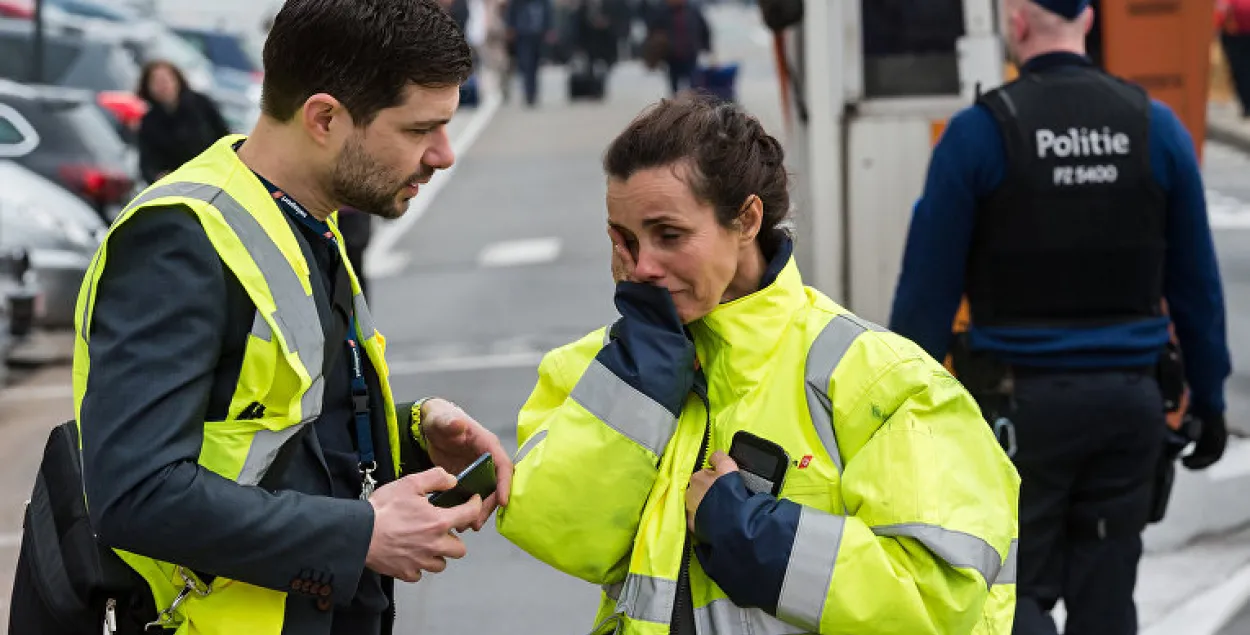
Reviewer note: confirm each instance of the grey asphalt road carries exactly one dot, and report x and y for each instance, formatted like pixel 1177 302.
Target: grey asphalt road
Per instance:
pixel 1240 624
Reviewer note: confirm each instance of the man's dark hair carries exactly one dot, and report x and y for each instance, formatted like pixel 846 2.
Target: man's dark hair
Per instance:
pixel 362 52
pixel 728 154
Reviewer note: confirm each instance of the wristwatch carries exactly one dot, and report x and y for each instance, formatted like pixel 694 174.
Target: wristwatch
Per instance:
pixel 416 431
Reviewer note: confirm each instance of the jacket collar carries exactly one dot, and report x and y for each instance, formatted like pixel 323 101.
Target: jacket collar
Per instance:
pixel 736 339
pixel 1059 59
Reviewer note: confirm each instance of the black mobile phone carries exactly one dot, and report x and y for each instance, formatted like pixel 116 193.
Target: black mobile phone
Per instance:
pixel 478 478
pixel 763 464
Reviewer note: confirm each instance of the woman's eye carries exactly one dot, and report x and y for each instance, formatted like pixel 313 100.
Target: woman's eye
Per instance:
pixel 669 237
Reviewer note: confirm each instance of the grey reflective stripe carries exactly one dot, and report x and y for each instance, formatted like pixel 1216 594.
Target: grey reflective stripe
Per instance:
pixel 265 447
pixel 624 409
pixel 647 599
pixel 958 549
pixel 530 444
pixel 296 316
pixel 723 617
pixel 364 319
pixel 261 329
pixel 810 570
pixel 822 358
pixel 1008 573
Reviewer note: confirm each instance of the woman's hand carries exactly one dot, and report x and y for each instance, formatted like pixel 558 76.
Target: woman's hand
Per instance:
pixel 623 264
pixel 703 480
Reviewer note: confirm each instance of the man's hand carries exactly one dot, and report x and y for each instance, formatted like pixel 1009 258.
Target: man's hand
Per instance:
pixel 1212 441
pixel 455 441
pixel 623 264
pixel 409 534
pixel 702 481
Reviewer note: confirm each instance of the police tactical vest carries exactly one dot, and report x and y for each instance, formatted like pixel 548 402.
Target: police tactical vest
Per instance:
pixel 1074 236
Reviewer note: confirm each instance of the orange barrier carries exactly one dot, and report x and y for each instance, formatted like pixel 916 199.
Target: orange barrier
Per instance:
pixel 1164 45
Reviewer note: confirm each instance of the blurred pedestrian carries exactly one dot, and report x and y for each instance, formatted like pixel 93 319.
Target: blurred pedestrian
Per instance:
pixel 531 25
pixel 180 123
pixel 1235 41
pixel 600 26
pixel 682 33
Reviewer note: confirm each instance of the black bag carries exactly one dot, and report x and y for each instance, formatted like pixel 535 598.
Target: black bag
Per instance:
pixel 586 80
pixel 65 580
pixel 781 14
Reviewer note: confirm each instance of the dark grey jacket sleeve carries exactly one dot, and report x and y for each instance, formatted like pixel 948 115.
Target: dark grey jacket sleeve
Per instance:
pixel 155 338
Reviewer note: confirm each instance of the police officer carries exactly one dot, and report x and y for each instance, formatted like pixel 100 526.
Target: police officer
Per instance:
pixel 229 382
pixel 1067 206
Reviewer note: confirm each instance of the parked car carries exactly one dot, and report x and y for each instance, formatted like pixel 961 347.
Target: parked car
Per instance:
pixel 62 135
pixel 99 64
pixel 57 231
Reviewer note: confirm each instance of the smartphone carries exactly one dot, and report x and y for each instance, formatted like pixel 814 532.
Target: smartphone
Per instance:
pixel 478 478
pixel 762 463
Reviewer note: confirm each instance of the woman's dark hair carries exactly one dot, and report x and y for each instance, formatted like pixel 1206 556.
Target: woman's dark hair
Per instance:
pixel 146 75
pixel 728 154
pixel 363 52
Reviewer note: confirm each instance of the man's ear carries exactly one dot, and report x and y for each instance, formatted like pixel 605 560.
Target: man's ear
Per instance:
pixel 1087 20
pixel 320 115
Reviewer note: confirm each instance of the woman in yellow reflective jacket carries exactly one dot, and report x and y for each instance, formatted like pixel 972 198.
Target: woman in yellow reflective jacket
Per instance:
pixel 897 512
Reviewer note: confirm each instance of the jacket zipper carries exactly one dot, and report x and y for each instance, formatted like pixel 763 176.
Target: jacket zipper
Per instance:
pixel 683 605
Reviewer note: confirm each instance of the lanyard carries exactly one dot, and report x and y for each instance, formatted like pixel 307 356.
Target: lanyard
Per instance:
pixel 360 388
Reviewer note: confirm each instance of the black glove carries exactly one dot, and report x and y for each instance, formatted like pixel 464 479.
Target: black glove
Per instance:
pixel 1211 442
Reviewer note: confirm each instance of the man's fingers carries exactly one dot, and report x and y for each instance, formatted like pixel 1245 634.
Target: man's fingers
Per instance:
pixel 503 471
pixel 434 564
pixel 723 464
pixel 488 507
pixel 450 546
pixel 465 515
pixel 433 480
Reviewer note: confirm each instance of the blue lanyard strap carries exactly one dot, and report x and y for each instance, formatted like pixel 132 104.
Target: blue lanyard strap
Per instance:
pixel 360 388
pixel 360 399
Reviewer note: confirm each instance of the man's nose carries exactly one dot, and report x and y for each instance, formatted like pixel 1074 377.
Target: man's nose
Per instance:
pixel 440 154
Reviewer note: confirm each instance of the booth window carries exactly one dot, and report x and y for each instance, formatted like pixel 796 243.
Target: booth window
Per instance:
pixel 909 47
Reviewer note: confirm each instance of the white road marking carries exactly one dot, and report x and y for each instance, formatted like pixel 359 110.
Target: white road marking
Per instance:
pixel 513 253
pixel 1208 611
pixel 383 259
pixel 1227 212
pixel 504 361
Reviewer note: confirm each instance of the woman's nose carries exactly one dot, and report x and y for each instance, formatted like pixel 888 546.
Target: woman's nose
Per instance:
pixel 648 267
